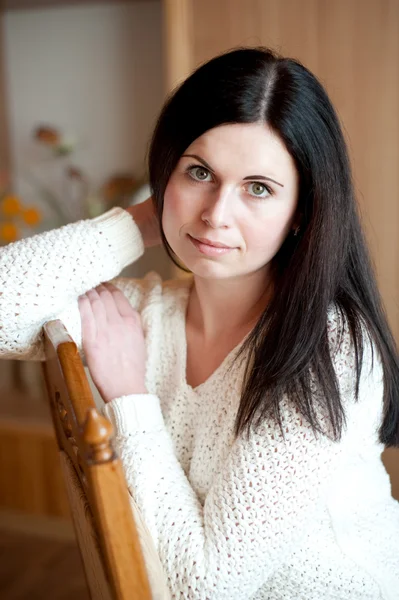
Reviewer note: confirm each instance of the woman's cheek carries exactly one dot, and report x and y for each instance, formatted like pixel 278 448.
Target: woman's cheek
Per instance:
pixel 177 210
pixel 172 217
pixel 167 223
pixel 266 238
pixel 173 198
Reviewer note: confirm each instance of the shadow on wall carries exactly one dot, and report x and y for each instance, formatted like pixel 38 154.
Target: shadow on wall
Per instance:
pixel 153 259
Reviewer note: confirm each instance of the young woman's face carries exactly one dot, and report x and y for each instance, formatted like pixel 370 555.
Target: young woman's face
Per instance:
pixel 235 185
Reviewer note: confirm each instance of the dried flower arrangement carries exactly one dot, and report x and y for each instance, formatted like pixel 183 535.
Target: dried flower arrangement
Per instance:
pixel 117 190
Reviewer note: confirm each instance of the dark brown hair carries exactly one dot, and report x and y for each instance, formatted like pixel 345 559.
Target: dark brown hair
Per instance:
pixel 327 264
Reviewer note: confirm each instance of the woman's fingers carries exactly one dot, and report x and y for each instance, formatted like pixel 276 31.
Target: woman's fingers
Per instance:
pixel 88 322
pixel 103 305
pixel 122 304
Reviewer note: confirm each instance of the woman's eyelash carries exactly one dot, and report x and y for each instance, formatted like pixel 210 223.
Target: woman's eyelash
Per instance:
pixel 193 166
pixel 267 188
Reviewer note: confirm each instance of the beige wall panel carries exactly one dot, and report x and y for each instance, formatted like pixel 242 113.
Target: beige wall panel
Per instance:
pixel 280 24
pixel 373 128
pixel 177 42
pixel 211 28
pixel 390 458
pixel 291 28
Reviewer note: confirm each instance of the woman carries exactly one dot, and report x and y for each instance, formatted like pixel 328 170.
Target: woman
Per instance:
pixel 252 400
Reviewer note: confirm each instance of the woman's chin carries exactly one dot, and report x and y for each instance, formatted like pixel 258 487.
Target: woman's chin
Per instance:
pixel 209 270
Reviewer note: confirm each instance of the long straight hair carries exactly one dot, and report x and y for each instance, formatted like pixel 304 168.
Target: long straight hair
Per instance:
pixel 326 264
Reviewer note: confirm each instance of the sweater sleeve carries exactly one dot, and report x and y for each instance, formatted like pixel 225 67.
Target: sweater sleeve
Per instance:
pixel 260 505
pixel 41 277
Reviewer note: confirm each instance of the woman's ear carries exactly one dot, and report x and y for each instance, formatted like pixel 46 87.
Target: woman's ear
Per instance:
pixel 296 224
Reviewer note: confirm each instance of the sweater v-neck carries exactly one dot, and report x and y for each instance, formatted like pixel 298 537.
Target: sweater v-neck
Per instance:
pixel 183 345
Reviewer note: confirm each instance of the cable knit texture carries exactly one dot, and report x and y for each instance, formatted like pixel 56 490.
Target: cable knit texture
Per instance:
pixel 297 517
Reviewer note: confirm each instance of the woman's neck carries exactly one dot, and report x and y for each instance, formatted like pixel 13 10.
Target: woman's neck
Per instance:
pixel 220 308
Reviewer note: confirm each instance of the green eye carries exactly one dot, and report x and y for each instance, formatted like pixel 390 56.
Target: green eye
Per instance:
pixel 259 190
pixel 198 173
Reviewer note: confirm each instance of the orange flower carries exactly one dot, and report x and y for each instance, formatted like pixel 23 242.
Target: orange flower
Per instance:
pixel 10 205
pixel 31 216
pixel 47 135
pixel 8 232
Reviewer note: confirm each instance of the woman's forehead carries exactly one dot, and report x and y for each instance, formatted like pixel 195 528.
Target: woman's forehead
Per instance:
pixel 244 149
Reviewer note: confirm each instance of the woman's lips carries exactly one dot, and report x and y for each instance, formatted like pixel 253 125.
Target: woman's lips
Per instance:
pixel 210 243
pixel 207 249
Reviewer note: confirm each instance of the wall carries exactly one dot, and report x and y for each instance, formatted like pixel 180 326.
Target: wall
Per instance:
pixel 4 146
pixel 95 72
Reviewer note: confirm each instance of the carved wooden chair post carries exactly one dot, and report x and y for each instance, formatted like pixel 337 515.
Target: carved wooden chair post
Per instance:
pixel 116 548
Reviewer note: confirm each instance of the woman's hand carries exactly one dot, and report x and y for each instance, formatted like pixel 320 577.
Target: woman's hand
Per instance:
pixel 113 342
pixel 146 219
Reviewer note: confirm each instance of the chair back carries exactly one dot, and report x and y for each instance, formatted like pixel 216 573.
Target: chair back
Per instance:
pixel 119 557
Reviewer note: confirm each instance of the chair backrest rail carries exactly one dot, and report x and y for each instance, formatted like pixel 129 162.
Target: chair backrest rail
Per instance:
pixel 101 507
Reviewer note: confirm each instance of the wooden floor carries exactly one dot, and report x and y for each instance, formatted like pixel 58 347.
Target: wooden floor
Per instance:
pixel 39 568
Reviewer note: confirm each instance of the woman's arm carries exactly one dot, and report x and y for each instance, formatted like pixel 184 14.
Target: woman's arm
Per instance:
pixel 256 513
pixel 41 277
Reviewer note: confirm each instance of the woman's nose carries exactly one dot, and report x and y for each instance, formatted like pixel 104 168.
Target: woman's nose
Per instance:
pixel 218 209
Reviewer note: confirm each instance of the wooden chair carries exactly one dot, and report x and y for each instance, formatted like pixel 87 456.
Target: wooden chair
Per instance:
pixel 119 557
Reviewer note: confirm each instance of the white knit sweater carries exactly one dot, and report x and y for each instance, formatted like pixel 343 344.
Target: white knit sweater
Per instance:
pixel 266 518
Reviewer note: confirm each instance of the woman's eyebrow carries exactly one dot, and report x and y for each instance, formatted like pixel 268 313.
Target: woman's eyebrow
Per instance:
pixel 201 160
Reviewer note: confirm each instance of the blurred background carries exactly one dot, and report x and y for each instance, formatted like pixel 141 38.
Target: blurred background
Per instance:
pixel 81 84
